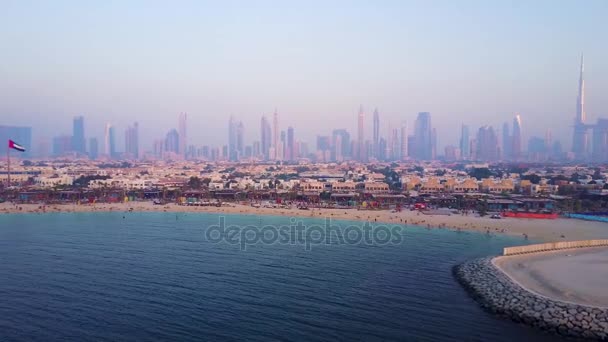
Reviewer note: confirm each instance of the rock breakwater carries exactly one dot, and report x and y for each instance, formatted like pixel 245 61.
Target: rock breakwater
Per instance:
pixel 497 293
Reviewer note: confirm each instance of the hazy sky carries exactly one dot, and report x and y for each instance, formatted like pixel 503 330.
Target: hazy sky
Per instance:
pixel 474 62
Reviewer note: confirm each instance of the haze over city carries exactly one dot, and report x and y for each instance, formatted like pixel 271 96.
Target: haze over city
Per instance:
pixel 474 63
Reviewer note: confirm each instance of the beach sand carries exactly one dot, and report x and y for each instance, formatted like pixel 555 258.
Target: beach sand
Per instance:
pixel 543 230
pixel 575 275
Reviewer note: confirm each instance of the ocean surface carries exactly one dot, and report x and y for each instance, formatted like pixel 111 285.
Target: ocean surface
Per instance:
pixel 157 277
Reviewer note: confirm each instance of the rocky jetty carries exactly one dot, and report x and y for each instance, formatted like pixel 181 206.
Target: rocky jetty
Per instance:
pixel 497 293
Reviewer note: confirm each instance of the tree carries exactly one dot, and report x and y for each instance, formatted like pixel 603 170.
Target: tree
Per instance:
pixel 482 208
pixel 533 178
pixel 597 174
pixel 480 173
pixel 195 183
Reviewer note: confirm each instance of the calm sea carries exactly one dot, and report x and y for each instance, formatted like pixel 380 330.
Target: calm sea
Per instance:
pixel 155 277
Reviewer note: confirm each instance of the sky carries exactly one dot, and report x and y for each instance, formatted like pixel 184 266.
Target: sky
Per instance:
pixel 316 62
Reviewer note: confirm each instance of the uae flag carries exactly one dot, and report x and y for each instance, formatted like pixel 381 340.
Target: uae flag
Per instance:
pixel 15 146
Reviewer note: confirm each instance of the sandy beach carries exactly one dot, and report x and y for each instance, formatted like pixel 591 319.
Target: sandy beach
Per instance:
pixel 543 230
pixel 558 274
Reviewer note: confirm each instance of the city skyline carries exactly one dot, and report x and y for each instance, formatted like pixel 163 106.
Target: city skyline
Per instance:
pixel 392 144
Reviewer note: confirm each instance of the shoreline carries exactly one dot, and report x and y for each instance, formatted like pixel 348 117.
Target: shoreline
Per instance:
pixel 498 293
pixel 550 230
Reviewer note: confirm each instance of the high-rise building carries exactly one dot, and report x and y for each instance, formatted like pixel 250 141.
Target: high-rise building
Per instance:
pixel 599 144
pixel 464 142
pixel 336 154
pixel 452 153
pixel 110 142
pixel 78 140
pixel 240 139
pixel 132 141
pixel 233 153
pixel 376 133
pixel 62 145
pixel 423 133
pixel 404 141
pixel 361 150
pixel 265 138
pixel 580 136
pixel 537 149
pixel 172 144
pixel 487 144
pixel 282 145
pixel 21 135
pixel 93 148
pixel 290 153
pixel 183 136
pixel 345 142
pixel 275 135
pixel 393 148
pixel 516 138
pixel 256 151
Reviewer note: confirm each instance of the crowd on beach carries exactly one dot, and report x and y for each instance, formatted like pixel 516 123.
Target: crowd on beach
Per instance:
pixel 548 230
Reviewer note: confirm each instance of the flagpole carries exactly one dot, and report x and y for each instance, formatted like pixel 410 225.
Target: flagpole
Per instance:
pixel 8 162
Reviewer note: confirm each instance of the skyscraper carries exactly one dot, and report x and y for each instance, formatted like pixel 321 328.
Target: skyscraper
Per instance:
pixel 183 137
pixel 580 137
pixel 172 142
pixel 109 141
pixel 464 142
pixel 232 139
pixel 376 132
pixel 516 138
pixel 78 141
pixel 132 141
pixel 275 135
pixel 290 153
pixel 404 141
pixel 599 146
pixel 282 145
pixel 240 139
pixel 62 145
pixel 424 137
pixel 265 138
pixel 345 143
pixel 93 148
pixel 361 150
pixel 487 144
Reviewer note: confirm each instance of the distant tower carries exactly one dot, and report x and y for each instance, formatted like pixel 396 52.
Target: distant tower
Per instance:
pixel 376 136
pixel 360 136
pixel 232 150
pixel 404 138
pixel 78 140
pixel 464 142
pixel 183 138
pixel 93 148
pixel 265 137
pixel 275 135
pixel 580 137
pixel 107 144
pixel 132 141
pixel 423 134
pixel 516 138
pixel 487 144
pixel 290 154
